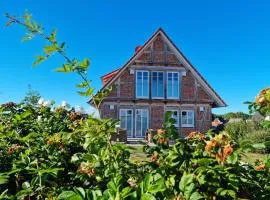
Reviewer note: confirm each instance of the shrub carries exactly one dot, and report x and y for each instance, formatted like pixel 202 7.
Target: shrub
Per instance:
pixel 237 129
pixel 69 157
pixel 257 136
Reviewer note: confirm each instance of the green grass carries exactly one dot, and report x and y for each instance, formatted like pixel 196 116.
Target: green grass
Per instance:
pixel 137 155
pixel 253 157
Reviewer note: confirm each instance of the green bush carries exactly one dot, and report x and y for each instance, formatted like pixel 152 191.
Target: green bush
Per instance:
pixel 237 129
pixel 48 153
pixel 257 136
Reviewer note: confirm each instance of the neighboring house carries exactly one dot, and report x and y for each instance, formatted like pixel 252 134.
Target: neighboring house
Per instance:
pixel 156 79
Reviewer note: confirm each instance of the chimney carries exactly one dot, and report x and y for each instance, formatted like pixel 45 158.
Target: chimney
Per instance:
pixel 138 48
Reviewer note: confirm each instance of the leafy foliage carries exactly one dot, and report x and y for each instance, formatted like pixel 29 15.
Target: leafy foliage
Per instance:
pixel 55 153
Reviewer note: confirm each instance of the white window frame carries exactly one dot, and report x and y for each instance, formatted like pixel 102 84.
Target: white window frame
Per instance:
pixel 125 110
pixel 188 125
pixel 155 97
pixel 137 96
pixel 178 114
pixel 147 111
pixel 178 97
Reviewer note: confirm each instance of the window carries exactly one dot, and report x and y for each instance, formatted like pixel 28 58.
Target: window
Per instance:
pixel 173 85
pixel 126 120
pixel 175 115
pixel 187 117
pixel 142 84
pixel 157 85
pixel 141 122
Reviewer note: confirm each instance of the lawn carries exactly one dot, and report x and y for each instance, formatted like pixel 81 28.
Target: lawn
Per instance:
pixel 137 155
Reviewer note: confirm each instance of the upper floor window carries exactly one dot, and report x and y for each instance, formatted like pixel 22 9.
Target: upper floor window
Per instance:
pixel 157 85
pixel 142 84
pixel 187 117
pixel 173 85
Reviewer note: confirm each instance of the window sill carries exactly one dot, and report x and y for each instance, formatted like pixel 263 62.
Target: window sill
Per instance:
pixel 187 126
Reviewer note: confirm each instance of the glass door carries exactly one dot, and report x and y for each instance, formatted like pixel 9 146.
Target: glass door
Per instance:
pixel 141 122
pixel 126 121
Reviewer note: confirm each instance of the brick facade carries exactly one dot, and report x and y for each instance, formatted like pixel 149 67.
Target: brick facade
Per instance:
pixel 192 95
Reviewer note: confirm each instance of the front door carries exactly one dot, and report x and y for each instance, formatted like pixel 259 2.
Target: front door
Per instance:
pixel 141 122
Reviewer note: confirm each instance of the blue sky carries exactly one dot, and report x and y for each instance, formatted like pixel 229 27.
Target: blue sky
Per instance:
pixel 228 42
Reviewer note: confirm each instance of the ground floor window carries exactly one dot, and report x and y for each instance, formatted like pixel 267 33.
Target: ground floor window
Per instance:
pixel 126 120
pixel 187 118
pixel 175 116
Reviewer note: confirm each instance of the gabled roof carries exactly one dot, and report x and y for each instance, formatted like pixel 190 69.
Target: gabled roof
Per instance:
pixel 219 102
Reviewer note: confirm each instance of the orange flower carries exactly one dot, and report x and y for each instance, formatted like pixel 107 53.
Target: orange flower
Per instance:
pixel 160 131
pixel 13 148
pixel 227 150
pixel 154 157
pixel 196 135
pixel 260 167
pixel 84 168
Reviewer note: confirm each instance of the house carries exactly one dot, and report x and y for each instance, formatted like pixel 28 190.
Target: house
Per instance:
pixel 156 79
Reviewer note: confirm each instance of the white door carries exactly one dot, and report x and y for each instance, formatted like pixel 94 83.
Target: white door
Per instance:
pixel 126 121
pixel 141 122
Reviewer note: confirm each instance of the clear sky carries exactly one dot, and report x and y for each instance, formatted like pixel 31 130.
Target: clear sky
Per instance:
pixel 227 41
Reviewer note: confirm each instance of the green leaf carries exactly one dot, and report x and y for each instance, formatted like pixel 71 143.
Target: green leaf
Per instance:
pixel 52 37
pixel 29 36
pixel 85 63
pixel 81 191
pixel 196 196
pixel 83 84
pixel 259 146
pixel 3 179
pixel 157 186
pixel 147 182
pixel 69 195
pixel 127 191
pixel 185 181
pixel 233 158
pixel 147 196
pixel 38 60
pixel 26 185
pixel 48 50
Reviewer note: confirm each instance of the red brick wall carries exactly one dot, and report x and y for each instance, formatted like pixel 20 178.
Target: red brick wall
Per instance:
pixel 127 84
pixel 157 116
pixel 107 113
pixel 158 54
pixel 202 95
pixel 185 131
pixel 113 93
pixel 188 87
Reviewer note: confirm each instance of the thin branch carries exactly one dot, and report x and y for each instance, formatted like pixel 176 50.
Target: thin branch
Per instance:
pixel 59 50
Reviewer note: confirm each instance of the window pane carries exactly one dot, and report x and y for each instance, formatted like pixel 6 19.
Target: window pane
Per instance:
pixel 141 122
pixel 144 122
pixel 188 118
pixel 142 84
pixel 157 84
pixel 129 125
pixel 139 84
pixel 126 121
pixel 160 85
pixel 169 86
pixel 173 85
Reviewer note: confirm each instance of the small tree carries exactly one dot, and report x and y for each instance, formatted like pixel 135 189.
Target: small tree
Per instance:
pixel 31 96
